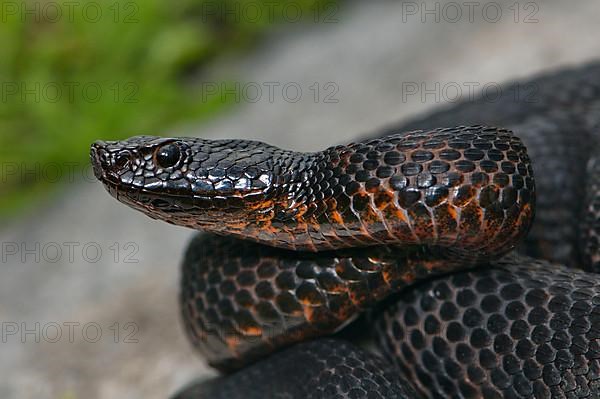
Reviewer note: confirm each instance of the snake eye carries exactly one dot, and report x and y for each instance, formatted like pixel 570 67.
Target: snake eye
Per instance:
pixel 168 155
pixel 123 159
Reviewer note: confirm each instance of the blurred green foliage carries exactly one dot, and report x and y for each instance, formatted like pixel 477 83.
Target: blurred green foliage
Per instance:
pixel 73 72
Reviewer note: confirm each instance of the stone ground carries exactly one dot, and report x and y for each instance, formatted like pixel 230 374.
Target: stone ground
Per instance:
pixel 370 55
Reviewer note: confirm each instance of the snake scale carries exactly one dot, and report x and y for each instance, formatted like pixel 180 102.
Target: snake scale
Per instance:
pixel 427 228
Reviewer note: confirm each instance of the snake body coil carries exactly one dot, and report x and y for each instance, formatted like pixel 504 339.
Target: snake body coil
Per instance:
pixel 324 368
pixel 349 228
pixel 523 328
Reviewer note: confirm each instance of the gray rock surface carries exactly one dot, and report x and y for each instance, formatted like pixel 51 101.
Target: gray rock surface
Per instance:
pixel 370 55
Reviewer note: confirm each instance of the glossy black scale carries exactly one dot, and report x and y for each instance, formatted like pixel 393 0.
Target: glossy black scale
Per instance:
pixel 516 328
pixel 325 368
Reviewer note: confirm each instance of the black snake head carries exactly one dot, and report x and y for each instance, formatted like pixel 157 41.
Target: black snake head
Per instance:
pixel 190 181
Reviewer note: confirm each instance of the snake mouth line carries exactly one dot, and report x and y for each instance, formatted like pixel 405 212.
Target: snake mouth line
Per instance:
pixel 154 201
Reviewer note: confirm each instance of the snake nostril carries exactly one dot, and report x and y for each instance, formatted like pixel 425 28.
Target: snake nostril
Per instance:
pixel 99 160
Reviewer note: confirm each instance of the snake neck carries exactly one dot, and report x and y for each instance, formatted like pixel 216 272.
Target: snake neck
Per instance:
pixel 468 187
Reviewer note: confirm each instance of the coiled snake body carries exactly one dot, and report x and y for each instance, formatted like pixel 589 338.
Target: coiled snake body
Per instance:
pixel 300 244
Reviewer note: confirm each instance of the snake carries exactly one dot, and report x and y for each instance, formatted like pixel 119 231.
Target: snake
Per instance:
pixel 467 251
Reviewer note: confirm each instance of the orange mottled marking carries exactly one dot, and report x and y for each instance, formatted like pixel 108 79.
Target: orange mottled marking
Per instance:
pixel 408 277
pixel 232 342
pixel 453 213
pixel 383 199
pixel 251 331
pixel 337 217
pixel 309 313
pixel 387 276
pixel 398 213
